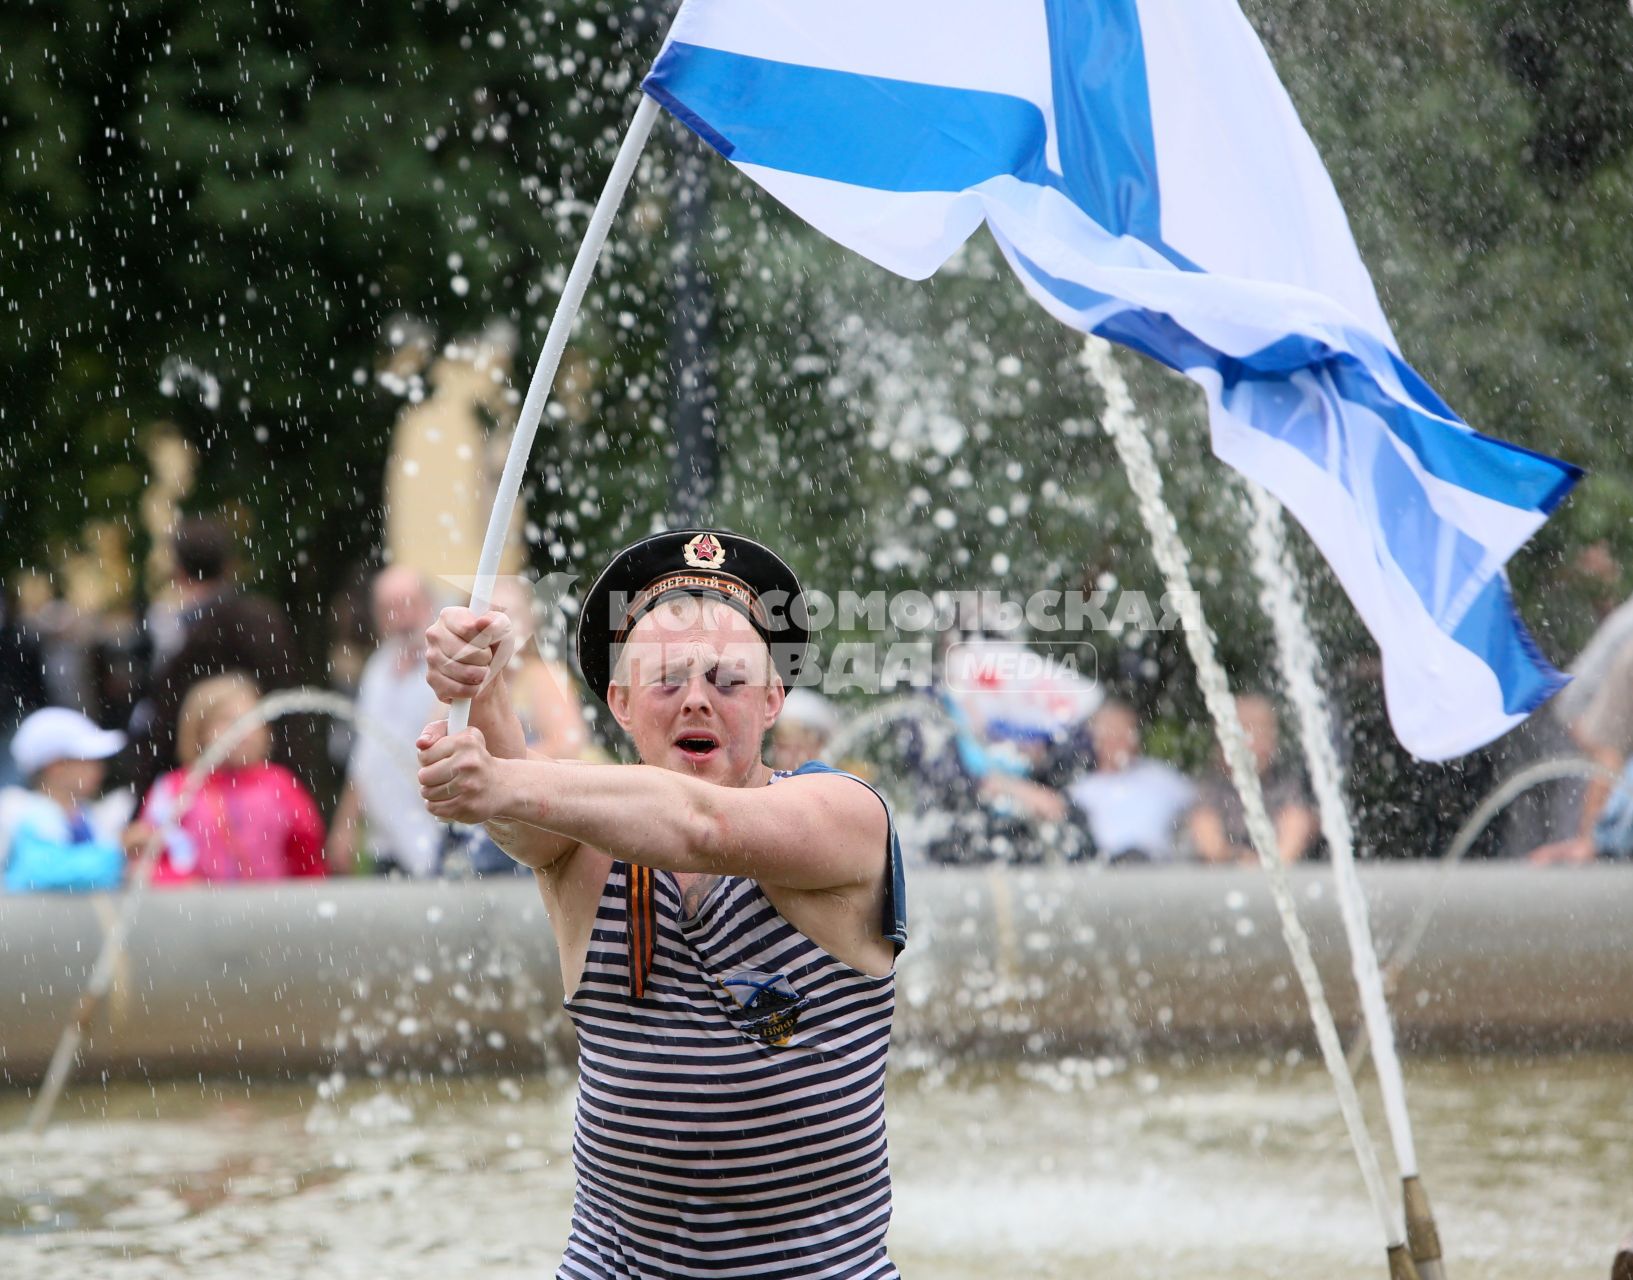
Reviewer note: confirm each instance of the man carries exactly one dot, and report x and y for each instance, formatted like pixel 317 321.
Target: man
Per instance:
pixel 804 727
pixel 217 628
pixel 728 945
pixel 1133 804
pixel 1218 823
pixel 392 694
pixel 22 680
pixel 1604 732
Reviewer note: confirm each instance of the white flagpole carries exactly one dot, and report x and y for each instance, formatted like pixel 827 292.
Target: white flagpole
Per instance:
pixel 544 375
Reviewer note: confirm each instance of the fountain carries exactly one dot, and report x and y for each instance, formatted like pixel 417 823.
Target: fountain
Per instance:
pixel 1046 1018
pixel 1474 826
pixel 269 708
pixel 1296 654
pixel 1134 448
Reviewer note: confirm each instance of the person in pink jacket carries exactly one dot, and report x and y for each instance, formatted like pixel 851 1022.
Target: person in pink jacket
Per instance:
pixel 249 820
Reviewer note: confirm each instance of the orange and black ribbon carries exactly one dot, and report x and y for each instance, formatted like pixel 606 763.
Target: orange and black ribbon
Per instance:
pixel 640 925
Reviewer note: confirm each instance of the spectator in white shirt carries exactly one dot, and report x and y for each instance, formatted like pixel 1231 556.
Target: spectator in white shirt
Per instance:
pixel 1133 804
pixel 392 695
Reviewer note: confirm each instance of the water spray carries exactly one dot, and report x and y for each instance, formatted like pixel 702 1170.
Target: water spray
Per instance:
pixel 918 711
pixel 1134 448
pixel 269 708
pixel 1280 591
pixel 1474 826
pixel 544 373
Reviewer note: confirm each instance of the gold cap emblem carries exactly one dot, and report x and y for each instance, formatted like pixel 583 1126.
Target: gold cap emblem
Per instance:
pixel 705 552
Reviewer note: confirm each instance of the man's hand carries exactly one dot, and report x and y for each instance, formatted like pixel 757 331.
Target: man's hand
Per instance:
pixel 1575 852
pixel 1036 802
pixel 139 838
pixel 464 651
pixel 340 848
pixel 459 780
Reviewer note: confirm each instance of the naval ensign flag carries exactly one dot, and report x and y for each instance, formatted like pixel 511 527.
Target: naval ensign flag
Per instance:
pixel 1148 179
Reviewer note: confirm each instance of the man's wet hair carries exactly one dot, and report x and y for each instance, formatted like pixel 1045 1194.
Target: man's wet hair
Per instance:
pixel 203 549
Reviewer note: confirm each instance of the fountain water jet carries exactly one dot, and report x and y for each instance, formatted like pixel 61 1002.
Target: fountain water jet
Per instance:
pixel 1279 583
pixel 1134 449
pixel 509 487
pixel 269 708
pixel 1474 826
pixel 919 711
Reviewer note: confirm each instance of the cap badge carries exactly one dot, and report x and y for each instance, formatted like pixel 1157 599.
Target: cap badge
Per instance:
pixel 705 552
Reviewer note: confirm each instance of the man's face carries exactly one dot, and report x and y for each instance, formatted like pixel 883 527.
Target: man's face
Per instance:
pixel 794 744
pixel 695 689
pixel 1259 721
pixel 1116 735
pixel 402 609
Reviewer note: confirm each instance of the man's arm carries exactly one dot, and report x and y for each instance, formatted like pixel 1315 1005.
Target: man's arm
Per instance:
pixel 815 833
pixel 1600 785
pixel 341 847
pixel 1603 733
pixel 1209 838
pixel 1296 828
pixel 1037 802
pixel 529 845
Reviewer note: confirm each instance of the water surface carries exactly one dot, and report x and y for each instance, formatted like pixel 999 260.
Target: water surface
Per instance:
pixel 1219 1169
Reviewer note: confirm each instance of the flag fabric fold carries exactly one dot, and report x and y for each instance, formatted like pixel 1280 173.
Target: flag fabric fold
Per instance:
pixel 1147 178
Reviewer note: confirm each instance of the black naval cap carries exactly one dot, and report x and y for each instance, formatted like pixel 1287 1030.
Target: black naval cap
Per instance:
pixel 748 576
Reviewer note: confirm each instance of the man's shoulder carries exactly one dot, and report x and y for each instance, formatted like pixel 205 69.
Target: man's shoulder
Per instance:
pixel 1216 789
pixel 374 672
pixel 233 612
pixel 250 604
pixel 818 769
pixel 1610 707
pixel 1144 774
pixel 820 774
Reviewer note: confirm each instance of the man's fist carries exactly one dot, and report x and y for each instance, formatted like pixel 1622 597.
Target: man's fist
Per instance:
pixel 464 650
pixel 459 780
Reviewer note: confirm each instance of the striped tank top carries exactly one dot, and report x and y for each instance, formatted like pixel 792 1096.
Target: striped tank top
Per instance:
pixel 730 1119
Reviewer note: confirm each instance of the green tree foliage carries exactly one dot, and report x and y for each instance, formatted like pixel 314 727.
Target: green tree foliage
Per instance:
pixel 1575 59
pixel 214 208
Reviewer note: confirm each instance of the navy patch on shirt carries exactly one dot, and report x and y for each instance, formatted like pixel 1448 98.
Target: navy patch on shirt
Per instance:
pixel 768 1007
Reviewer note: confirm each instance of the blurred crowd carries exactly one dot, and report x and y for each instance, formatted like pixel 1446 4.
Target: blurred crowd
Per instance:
pixel 143 739
pixel 984 793
pixel 124 741
pixel 1067 778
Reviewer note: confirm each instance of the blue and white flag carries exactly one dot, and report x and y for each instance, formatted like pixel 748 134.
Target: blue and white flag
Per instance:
pixel 1147 177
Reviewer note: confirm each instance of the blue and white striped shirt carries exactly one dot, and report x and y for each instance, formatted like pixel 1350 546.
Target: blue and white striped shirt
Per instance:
pixel 731 1120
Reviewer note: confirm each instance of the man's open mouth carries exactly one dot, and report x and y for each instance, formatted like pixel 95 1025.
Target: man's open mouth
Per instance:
pixel 698 746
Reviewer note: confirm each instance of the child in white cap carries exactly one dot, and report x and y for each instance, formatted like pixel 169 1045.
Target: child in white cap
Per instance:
pixel 51 837
pixel 807 722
